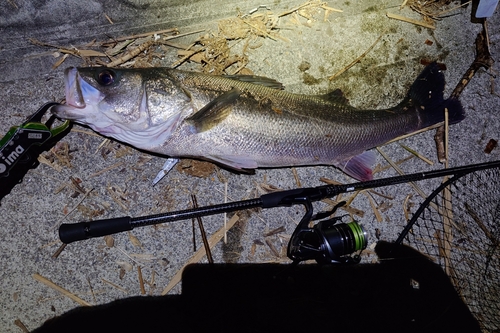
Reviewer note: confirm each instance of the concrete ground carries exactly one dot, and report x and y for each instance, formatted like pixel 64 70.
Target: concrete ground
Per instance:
pixel 117 179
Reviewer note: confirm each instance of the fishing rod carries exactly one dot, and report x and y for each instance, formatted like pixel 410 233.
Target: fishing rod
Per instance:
pixel 305 242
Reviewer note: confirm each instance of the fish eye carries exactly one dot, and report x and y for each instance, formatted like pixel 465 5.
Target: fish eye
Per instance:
pixel 106 77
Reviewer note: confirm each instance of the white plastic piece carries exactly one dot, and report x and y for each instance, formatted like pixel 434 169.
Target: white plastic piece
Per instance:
pixel 486 8
pixel 169 164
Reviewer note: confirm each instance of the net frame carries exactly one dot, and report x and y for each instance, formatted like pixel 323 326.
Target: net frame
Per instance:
pixel 458 227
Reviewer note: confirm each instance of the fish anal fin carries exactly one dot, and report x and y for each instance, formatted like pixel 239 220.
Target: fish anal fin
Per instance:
pixel 214 112
pixel 359 166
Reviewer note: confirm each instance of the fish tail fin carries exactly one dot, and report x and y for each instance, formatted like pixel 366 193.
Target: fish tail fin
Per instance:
pixel 426 93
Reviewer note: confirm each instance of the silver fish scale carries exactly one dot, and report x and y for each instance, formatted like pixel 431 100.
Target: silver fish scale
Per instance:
pixel 273 127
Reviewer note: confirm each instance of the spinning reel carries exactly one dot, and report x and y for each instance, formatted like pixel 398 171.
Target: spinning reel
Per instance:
pixel 329 241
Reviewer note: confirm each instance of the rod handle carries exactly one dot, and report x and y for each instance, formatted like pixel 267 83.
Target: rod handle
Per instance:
pixel 69 233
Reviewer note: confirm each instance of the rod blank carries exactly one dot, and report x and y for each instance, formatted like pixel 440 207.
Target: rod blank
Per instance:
pixel 69 233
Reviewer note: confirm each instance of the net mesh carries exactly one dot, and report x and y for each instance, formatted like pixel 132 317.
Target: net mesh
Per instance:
pixel 460 230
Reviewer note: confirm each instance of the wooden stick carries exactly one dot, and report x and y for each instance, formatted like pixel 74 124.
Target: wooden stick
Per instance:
pixel 331 9
pixel 13 4
pixel 60 61
pixel 275 231
pixel 141 280
pixel 193 231
pixel 378 216
pixel 74 51
pixel 225 217
pixel 53 165
pixel 108 18
pixel 265 33
pixel 296 176
pixel 203 233
pixel 111 167
pixel 76 130
pixel 379 168
pixel 20 324
pixel 447 214
pixel 121 39
pixel 214 239
pixel 413 184
pixel 114 285
pixel 63 291
pixel 349 209
pixel 409 20
pixel 452 9
pixel 293 9
pixel 385 196
pixel 426 160
pixel 351 198
pixel 415 133
pixel 74 208
pixel 439 140
pixel 59 251
pixel 406 209
pixel 186 57
pixel 132 54
pixel 480 223
pixel 91 290
pixel 446 136
pixel 358 59
pixel 183 34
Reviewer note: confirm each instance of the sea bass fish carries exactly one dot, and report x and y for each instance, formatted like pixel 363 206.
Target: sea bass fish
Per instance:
pixel 245 122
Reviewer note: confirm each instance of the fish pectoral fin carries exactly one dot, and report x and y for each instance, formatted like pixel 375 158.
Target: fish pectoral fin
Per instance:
pixel 259 80
pixel 215 111
pixel 359 166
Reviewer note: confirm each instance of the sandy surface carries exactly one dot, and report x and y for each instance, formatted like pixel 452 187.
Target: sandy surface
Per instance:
pixel 97 272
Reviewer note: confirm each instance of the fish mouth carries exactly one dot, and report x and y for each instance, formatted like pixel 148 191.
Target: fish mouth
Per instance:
pixel 80 96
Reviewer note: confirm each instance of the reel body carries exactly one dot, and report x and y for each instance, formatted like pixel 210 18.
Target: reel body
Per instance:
pixel 329 241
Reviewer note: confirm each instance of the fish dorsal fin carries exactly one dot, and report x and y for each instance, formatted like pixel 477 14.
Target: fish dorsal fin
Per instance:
pixel 336 96
pixel 215 111
pixel 259 80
